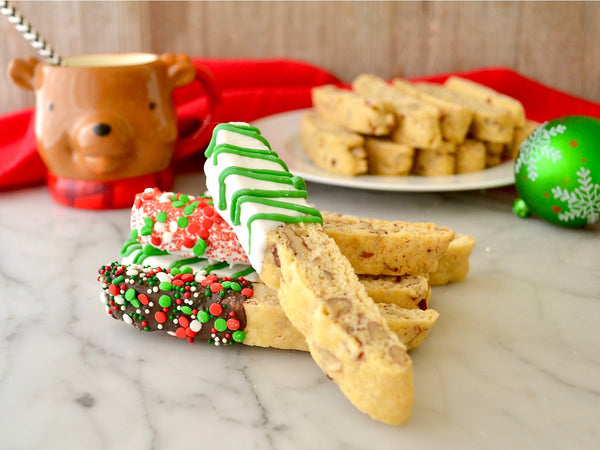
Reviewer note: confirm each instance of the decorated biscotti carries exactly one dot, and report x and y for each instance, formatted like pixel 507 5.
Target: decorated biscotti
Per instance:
pixel 353 112
pixel 410 291
pixel 317 287
pixel 332 147
pixel 418 122
pixel 188 229
pixel 198 307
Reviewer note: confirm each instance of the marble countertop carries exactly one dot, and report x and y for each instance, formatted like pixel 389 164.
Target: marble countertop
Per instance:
pixel 513 361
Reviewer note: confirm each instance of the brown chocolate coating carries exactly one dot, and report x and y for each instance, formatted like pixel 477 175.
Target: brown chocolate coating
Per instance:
pixel 215 305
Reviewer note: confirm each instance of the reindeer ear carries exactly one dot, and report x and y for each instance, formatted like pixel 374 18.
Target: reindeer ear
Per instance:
pixel 180 69
pixel 21 72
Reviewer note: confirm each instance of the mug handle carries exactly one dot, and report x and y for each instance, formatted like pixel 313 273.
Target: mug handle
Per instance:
pixel 195 127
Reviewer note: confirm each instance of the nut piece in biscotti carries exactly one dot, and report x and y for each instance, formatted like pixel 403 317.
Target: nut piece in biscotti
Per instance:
pixel 489 123
pixel 489 96
pixel 331 147
pixel 435 162
pixel 380 247
pixel 345 331
pixel 387 157
pixel 454 263
pixel 418 122
pixel 455 119
pixel 268 326
pixel 351 111
pixel 470 156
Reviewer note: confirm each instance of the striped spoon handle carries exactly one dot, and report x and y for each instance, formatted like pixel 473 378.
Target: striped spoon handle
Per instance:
pixel 30 34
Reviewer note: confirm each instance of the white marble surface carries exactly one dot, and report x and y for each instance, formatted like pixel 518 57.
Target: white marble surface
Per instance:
pixel 513 362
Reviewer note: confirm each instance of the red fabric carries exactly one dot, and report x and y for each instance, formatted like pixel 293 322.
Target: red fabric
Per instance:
pixel 251 89
pixel 90 194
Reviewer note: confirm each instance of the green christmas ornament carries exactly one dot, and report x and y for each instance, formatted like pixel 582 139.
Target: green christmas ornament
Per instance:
pixel 557 172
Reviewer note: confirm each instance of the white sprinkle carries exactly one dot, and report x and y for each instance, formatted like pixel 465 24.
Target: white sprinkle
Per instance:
pixel 127 319
pixel 195 325
pixel 159 227
pixel 173 226
pixel 119 299
pixel 163 276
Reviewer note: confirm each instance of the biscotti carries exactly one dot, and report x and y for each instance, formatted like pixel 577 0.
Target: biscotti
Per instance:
pixel 418 122
pixel 225 315
pixel 489 96
pixel 345 331
pixel 388 157
pixel 351 111
pixel 379 247
pixel 435 161
pixel 331 147
pixel 454 264
pixel 411 291
pixel 317 287
pixel 455 119
pixel 488 124
pixel 470 156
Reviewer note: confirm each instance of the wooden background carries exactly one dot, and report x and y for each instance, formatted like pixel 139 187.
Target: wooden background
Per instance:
pixel 557 43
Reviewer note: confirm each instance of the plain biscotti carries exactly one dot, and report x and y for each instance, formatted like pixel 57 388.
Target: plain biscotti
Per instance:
pixel 345 331
pixel 379 247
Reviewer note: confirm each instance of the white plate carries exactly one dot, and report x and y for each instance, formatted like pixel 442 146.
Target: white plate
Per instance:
pixel 283 133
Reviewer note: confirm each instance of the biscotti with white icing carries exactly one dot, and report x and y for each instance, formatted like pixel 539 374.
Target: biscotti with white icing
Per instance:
pixel 317 287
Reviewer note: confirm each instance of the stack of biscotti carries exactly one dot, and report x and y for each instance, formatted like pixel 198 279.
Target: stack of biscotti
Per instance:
pixel 396 261
pixel 402 128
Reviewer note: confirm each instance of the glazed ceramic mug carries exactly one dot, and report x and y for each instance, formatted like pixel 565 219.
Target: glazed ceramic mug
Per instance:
pixel 106 124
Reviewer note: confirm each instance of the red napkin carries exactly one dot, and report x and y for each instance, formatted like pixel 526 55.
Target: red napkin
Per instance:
pixel 251 89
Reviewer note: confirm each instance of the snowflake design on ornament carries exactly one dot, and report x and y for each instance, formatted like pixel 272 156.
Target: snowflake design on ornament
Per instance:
pixel 584 201
pixel 537 147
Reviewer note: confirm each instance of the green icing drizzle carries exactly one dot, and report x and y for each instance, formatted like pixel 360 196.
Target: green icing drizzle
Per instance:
pixel 130 246
pixel 185 262
pixel 216 266
pixel 243 273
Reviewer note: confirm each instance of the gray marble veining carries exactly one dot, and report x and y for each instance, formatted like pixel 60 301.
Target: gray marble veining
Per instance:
pixel 514 359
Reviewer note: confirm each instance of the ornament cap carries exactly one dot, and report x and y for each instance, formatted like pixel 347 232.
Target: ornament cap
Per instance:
pixel 520 208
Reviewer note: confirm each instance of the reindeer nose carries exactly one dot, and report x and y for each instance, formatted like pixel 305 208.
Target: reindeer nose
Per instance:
pixel 102 129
